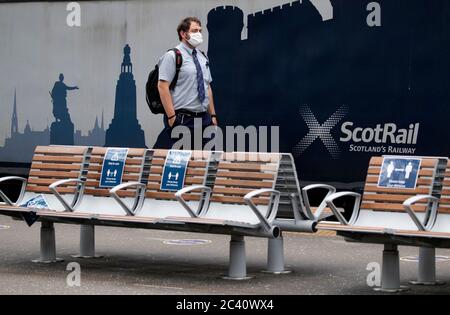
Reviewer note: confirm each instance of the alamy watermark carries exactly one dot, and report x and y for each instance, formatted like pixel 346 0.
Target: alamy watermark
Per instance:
pixel 237 139
pixel 73 279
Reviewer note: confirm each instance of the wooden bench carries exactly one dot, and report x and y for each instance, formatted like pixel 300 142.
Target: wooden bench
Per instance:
pixel 380 212
pixel 49 165
pixel 227 193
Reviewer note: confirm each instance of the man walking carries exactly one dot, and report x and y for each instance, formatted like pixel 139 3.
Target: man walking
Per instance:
pixel 191 99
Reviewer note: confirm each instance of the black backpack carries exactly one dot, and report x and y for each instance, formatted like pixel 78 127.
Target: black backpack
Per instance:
pixel 151 88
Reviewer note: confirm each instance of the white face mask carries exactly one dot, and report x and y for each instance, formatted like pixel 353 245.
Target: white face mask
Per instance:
pixel 196 39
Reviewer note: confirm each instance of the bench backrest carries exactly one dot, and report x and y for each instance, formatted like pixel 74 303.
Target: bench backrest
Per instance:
pixel 53 163
pixel 389 199
pixel 241 173
pixel 196 174
pixel 444 206
pixel 134 165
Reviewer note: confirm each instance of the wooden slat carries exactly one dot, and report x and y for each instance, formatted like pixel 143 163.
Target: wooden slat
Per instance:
pixel 244 184
pixel 104 192
pixel 170 196
pixel 417 191
pixel 444 208
pixel 390 207
pixel 245 175
pixel 70 150
pixel 234 191
pixel 238 200
pixel 446 191
pixel 54 174
pixel 251 157
pixel 46 181
pixel 41 189
pixel 63 167
pixel 52 158
pixel 196 220
pixel 386 197
pixel 247 166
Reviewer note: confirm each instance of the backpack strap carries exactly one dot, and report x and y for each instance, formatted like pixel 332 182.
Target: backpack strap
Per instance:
pixel 178 64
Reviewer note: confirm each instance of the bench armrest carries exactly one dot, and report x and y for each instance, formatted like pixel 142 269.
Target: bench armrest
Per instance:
pixel 138 199
pixel 356 208
pixel 318 213
pixel 266 221
pixel 431 214
pixel 22 190
pixel 204 202
pixel 77 197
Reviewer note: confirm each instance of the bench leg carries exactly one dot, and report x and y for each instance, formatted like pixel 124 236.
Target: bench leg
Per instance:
pixel 87 242
pixel 427 268
pixel 275 256
pixel 238 266
pixel 390 273
pixel 48 244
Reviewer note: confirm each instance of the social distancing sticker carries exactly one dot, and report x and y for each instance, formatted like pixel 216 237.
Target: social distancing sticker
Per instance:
pixel 175 169
pixel 400 173
pixel 113 167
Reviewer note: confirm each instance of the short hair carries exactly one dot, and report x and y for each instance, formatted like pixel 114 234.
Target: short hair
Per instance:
pixel 185 25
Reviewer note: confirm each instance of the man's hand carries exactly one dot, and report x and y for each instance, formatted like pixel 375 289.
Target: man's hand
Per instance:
pixel 172 121
pixel 214 121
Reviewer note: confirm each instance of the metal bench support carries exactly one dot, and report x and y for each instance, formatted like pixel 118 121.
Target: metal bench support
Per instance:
pixel 275 257
pixel 87 242
pixel 390 273
pixel 48 244
pixel 238 265
pixel 427 268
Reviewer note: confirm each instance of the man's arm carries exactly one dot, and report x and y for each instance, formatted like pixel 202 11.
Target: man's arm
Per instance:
pixel 211 107
pixel 166 100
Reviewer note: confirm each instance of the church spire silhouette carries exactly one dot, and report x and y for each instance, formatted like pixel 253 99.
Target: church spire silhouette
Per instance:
pixel 15 120
pixel 125 130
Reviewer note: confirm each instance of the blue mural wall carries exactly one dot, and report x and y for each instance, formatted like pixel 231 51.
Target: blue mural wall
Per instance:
pixel 344 80
pixel 321 80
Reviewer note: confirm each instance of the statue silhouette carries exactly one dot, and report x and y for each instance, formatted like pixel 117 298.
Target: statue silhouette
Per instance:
pixel 62 130
pixel 59 99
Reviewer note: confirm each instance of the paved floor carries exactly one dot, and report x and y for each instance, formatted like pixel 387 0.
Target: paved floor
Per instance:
pixel 140 262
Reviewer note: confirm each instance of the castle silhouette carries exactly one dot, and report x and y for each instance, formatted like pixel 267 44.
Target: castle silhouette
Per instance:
pixel 293 58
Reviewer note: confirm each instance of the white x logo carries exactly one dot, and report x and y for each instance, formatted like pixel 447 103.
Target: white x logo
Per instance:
pixel 323 132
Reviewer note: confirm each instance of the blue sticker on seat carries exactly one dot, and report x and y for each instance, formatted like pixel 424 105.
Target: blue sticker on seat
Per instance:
pixel 37 202
pixel 113 167
pixel 175 169
pixel 401 173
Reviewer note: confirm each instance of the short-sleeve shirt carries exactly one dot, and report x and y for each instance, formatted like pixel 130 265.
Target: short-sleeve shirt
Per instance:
pixel 185 94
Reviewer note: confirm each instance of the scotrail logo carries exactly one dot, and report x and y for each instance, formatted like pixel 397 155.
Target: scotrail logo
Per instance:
pixel 320 131
pixel 386 138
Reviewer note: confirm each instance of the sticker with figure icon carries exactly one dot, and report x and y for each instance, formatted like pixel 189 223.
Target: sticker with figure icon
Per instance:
pixel 401 173
pixel 175 169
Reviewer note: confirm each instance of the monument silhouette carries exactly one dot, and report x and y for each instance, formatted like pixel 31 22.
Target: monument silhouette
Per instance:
pixel 125 130
pixel 62 130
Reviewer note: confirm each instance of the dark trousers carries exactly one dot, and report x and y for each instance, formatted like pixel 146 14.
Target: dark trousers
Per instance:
pixel 166 141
